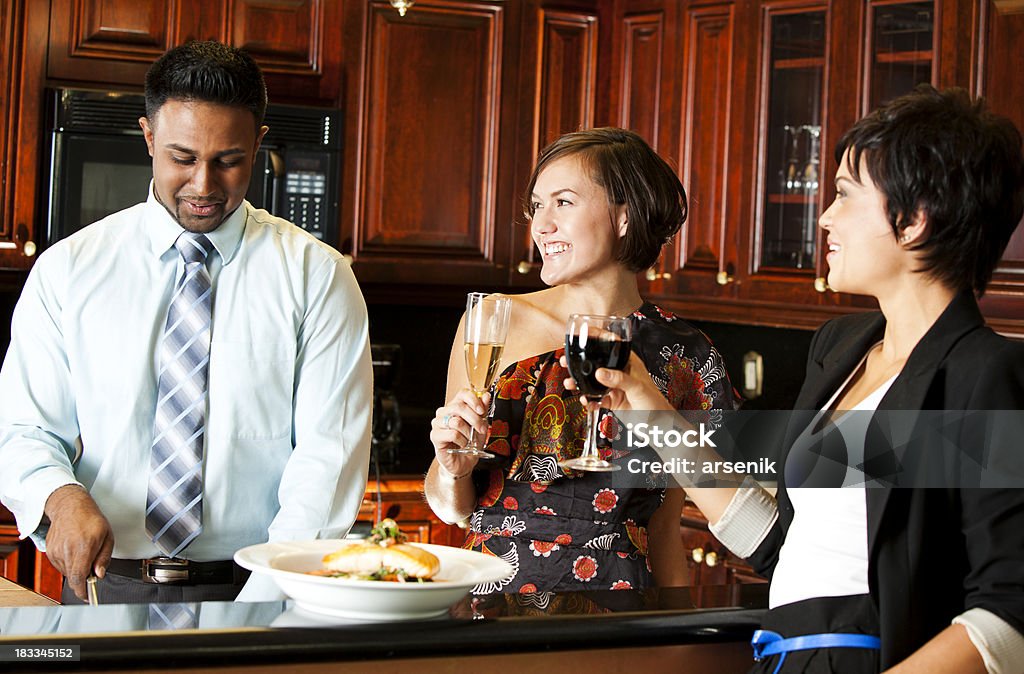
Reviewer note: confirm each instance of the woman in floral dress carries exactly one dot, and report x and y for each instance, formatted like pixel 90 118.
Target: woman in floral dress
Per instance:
pixel 601 204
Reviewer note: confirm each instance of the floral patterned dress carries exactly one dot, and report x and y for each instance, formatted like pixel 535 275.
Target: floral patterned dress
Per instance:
pixel 578 531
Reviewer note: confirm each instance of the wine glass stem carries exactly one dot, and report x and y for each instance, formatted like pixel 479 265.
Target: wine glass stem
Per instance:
pixel 593 409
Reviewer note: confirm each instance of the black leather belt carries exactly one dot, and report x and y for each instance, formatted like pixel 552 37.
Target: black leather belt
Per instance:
pixel 164 570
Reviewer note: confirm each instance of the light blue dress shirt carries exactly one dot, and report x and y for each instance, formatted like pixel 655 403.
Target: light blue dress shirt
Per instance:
pixel 290 381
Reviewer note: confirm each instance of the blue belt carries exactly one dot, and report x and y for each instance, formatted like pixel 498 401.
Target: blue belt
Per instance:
pixel 768 643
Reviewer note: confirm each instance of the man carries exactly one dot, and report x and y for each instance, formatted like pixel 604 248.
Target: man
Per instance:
pixel 190 375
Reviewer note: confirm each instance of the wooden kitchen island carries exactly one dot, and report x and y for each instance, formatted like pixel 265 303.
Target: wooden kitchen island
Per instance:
pixel 674 630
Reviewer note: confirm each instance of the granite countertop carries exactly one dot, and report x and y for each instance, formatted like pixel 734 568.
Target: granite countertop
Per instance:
pixel 233 633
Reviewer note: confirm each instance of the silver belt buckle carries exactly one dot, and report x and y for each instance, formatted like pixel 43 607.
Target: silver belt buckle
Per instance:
pixel 164 570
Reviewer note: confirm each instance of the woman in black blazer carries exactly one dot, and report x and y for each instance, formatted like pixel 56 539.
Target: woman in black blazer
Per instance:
pixel 923 568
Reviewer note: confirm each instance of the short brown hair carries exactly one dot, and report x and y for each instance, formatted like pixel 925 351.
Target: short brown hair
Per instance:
pixel 631 174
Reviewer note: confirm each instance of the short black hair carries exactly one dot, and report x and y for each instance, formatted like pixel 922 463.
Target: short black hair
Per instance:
pixel 206 71
pixel 960 164
pixel 632 174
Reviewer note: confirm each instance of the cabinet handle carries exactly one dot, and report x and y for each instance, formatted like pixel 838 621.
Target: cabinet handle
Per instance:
pixel 524 267
pixel 711 558
pixel 697 554
pixel 724 278
pixel 29 246
pixel 821 284
pixel 653 275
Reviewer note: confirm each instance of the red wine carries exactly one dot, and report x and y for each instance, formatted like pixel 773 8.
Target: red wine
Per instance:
pixel 584 361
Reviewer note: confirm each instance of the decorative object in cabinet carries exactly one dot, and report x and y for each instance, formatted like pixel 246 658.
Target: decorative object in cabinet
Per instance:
pixel 901 52
pixel 795 73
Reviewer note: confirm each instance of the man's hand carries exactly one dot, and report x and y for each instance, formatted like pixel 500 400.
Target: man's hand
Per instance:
pixel 80 540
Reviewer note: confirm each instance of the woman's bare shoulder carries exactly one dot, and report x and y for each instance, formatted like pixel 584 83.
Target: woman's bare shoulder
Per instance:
pixel 534 328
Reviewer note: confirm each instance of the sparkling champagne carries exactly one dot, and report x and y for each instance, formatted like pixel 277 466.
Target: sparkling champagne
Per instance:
pixel 482 364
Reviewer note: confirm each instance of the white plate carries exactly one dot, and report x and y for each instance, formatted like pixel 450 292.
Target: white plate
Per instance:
pixel 289 563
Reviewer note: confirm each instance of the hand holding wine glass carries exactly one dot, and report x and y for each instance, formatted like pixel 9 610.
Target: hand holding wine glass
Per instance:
pixel 630 388
pixel 485 331
pixel 450 429
pixel 593 342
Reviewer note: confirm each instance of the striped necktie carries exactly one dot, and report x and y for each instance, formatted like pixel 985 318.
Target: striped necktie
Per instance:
pixel 174 503
pixel 184 616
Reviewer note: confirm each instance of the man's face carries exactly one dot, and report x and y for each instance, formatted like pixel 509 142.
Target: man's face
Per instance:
pixel 203 155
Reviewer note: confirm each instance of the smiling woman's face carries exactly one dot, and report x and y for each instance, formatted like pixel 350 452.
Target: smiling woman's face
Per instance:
pixel 863 254
pixel 572 224
pixel 203 155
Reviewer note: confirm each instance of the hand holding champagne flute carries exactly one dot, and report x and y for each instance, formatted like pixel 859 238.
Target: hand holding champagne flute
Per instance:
pixel 592 342
pixel 486 329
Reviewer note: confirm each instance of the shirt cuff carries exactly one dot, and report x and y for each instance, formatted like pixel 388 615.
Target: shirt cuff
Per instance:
pixel 1000 645
pixel 747 519
pixel 29 514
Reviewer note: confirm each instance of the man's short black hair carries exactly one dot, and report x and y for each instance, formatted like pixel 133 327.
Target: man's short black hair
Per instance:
pixel 632 175
pixel 961 165
pixel 206 71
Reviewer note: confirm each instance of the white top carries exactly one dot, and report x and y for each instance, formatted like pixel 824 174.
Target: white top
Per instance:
pixel 826 549
pixel 290 381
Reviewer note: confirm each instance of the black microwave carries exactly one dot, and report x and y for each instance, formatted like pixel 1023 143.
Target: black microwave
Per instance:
pixel 99 163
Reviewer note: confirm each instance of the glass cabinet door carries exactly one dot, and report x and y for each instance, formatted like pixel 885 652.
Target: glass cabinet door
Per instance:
pixel 794 74
pixel 901 49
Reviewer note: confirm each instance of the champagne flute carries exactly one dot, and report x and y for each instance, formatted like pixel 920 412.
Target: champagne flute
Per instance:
pixel 486 329
pixel 592 342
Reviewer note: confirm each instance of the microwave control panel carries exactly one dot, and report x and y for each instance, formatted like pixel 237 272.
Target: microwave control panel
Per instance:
pixel 305 191
pixel 304 200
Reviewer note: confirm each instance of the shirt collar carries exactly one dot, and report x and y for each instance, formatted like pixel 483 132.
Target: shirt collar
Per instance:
pixel 163 230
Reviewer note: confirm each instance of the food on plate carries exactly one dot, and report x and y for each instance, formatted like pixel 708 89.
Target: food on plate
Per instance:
pixel 384 556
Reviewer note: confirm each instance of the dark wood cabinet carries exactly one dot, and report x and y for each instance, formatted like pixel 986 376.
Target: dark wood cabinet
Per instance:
pixel 559 91
pixel 759 91
pixel 708 561
pixel 10 548
pixel 450 105
pixel 446 108
pixel 117 40
pixel 21 563
pixel 22 54
pixel 996 73
pixel 429 98
pixel 113 42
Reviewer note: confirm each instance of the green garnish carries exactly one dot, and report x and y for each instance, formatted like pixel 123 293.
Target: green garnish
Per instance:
pixel 381 574
pixel 387 532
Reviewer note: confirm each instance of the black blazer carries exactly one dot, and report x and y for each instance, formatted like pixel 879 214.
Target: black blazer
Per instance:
pixel 932 552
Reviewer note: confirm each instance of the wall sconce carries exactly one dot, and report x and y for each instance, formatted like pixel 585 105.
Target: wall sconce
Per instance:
pixel 402 5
